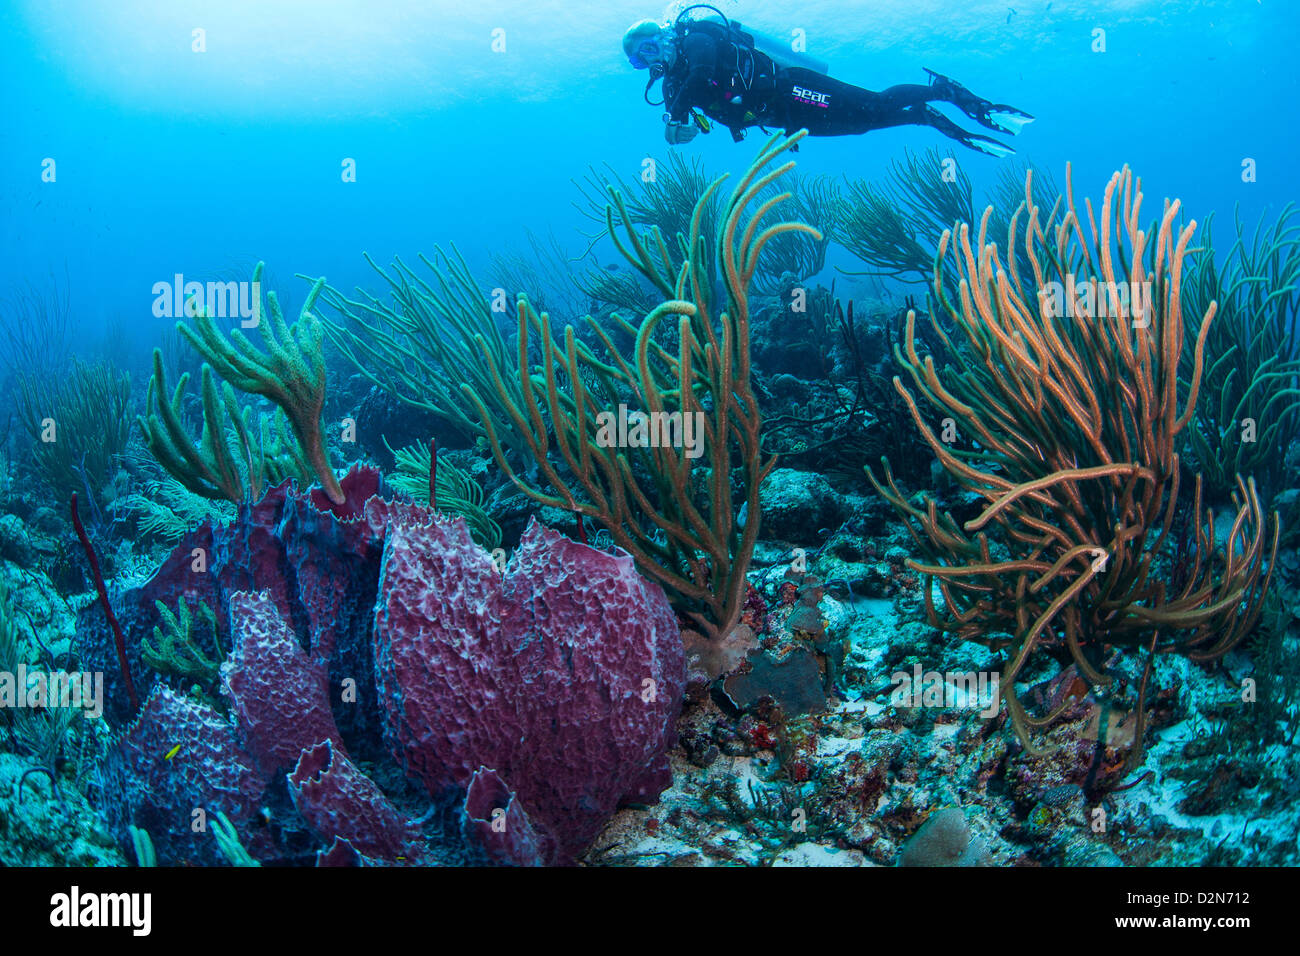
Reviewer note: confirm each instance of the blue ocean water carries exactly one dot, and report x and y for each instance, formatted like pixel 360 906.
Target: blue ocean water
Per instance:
pixel 146 139
pixel 174 161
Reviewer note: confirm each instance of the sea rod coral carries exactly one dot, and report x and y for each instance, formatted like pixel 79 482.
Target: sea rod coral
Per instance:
pixel 675 514
pixel 231 457
pixel 1074 412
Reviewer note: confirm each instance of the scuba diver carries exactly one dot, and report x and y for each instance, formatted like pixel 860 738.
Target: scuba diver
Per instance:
pixel 713 69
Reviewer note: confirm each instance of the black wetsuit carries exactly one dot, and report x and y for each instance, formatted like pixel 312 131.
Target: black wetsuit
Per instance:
pixel 739 87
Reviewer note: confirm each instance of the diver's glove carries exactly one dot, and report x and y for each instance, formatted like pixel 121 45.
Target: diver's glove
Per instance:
pixel 679 133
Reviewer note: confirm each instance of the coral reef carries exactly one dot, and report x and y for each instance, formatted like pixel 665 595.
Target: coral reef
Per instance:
pixel 731 663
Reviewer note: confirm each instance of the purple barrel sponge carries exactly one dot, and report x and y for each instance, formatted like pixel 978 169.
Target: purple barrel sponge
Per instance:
pixel 177 757
pixel 565 676
pixel 539 699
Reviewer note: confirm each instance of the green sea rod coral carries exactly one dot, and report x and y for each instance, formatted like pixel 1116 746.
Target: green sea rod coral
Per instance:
pixel 175 648
pixel 1251 410
pixel 458 493
pixel 291 372
pixel 673 510
pixel 228 842
pixel 79 423
pixel 425 342
pixel 227 462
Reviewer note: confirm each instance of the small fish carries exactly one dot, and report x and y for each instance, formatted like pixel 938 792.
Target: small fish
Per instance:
pixel 173 752
pixel 612 267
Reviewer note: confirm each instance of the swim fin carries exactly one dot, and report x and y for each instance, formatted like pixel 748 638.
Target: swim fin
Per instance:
pixel 986 144
pixel 930 116
pixel 1011 121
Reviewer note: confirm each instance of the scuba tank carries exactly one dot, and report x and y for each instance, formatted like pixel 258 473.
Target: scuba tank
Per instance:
pixel 778 51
